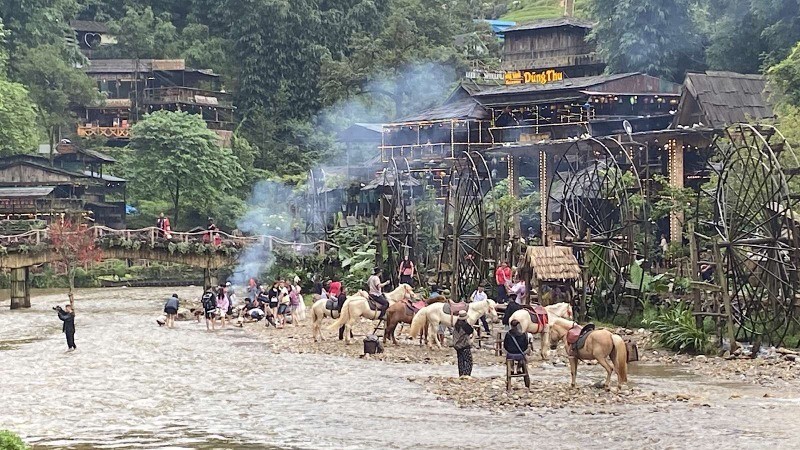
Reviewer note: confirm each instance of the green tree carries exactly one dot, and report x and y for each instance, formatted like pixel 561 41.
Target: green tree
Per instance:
pixel 176 157
pixel 140 33
pixel 649 36
pixel 55 86
pixel 410 57
pixel 786 77
pixel 39 22
pixel 18 131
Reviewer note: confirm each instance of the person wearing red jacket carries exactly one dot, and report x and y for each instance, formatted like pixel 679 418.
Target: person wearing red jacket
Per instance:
pixel 502 276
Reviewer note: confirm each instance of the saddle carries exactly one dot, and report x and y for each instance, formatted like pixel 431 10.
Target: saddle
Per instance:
pixel 538 314
pixel 453 308
pixel 332 305
pixel 375 306
pixel 414 307
pixel 576 337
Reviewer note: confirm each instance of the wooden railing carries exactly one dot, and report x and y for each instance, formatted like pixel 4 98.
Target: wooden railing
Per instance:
pixel 107 132
pixel 154 235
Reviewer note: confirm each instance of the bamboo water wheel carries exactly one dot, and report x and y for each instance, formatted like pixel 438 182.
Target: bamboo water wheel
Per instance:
pixel 593 207
pixel 397 221
pixel 756 224
pixel 469 240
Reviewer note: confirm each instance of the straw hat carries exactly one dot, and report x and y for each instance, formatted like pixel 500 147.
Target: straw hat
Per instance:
pixel 462 314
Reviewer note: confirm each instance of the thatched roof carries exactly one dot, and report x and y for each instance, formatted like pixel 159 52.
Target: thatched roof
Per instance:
pixel 552 263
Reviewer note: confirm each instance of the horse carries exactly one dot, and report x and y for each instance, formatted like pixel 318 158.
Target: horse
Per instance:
pixel 399 313
pixel 563 310
pixel 599 345
pixel 432 315
pixel 355 307
pixel 319 312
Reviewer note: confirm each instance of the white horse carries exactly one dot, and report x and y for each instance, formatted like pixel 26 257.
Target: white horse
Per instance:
pixel 319 312
pixel 433 315
pixel 358 306
pixel 561 310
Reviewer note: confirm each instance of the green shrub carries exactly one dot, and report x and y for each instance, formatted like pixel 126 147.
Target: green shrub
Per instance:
pixel 10 441
pixel 676 329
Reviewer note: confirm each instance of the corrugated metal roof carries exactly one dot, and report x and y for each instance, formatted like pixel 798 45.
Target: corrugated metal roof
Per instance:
pixel 726 98
pixel 460 109
pixel 95 154
pixel 104 177
pixel 38 191
pixel 569 83
pixel 552 23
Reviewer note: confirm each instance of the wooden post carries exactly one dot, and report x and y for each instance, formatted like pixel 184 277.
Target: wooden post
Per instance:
pixel 209 280
pixel 726 298
pixel 20 288
pixel 675 149
pixel 585 279
pixel 694 274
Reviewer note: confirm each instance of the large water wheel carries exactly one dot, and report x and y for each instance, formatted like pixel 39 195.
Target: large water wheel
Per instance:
pixel 469 240
pixel 593 205
pixel 397 225
pixel 756 222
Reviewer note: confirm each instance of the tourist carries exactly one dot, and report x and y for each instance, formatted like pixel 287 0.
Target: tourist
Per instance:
pixel 664 247
pixel 283 304
pixel 223 304
pixel 406 272
pixel 335 288
pixel 231 296
pixel 519 291
pixel 516 342
pixel 295 301
pixel 502 276
pixel 264 301
pixel 160 224
pixel 462 342
pixel 272 294
pixel 478 296
pixel 376 290
pixel 339 303
pixel 171 310
pixel 167 230
pixel 209 301
pixel 67 315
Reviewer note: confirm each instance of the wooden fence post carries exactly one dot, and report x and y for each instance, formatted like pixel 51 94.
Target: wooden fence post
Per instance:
pixel 694 274
pixel 726 298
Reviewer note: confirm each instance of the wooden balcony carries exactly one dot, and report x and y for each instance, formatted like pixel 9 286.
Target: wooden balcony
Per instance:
pixel 188 96
pixel 106 132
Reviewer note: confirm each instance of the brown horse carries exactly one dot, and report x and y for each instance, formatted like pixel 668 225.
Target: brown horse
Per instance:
pixel 400 313
pixel 599 345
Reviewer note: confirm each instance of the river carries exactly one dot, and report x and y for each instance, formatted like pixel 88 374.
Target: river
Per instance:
pixel 132 384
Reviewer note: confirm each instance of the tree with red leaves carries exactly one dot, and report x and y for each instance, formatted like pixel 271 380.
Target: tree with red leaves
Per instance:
pixel 74 246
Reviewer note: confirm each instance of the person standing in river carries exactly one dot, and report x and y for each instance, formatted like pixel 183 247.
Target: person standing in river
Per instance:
pixel 223 303
pixel 171 310
pixel 462 342
pixel 209 301
pixel 67 315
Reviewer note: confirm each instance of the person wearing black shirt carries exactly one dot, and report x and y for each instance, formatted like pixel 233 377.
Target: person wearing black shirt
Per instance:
pixel 516 344
pixel 67 316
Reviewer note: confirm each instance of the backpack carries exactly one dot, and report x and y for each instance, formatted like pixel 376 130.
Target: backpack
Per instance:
pixel 294 298
pixel 209 302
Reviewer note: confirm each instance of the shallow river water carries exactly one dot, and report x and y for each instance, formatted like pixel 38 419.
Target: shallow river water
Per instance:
pixel 133 384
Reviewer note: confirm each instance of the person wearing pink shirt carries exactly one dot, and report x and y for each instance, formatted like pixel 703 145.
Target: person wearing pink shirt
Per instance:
pixel 503 277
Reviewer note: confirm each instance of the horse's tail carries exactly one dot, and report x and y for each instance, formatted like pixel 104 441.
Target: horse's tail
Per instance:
pixel 619 354
pixel 418 323
pixel 344 316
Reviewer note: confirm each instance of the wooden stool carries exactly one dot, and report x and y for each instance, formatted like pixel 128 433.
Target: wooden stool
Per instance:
pixel 510 365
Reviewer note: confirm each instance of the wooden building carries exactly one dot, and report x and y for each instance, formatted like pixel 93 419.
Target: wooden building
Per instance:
pixel 550 46
pixel 32 188
pixel 133 88
pixel 719 99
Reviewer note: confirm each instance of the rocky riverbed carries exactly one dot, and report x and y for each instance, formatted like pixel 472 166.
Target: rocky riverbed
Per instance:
pixel 551 391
